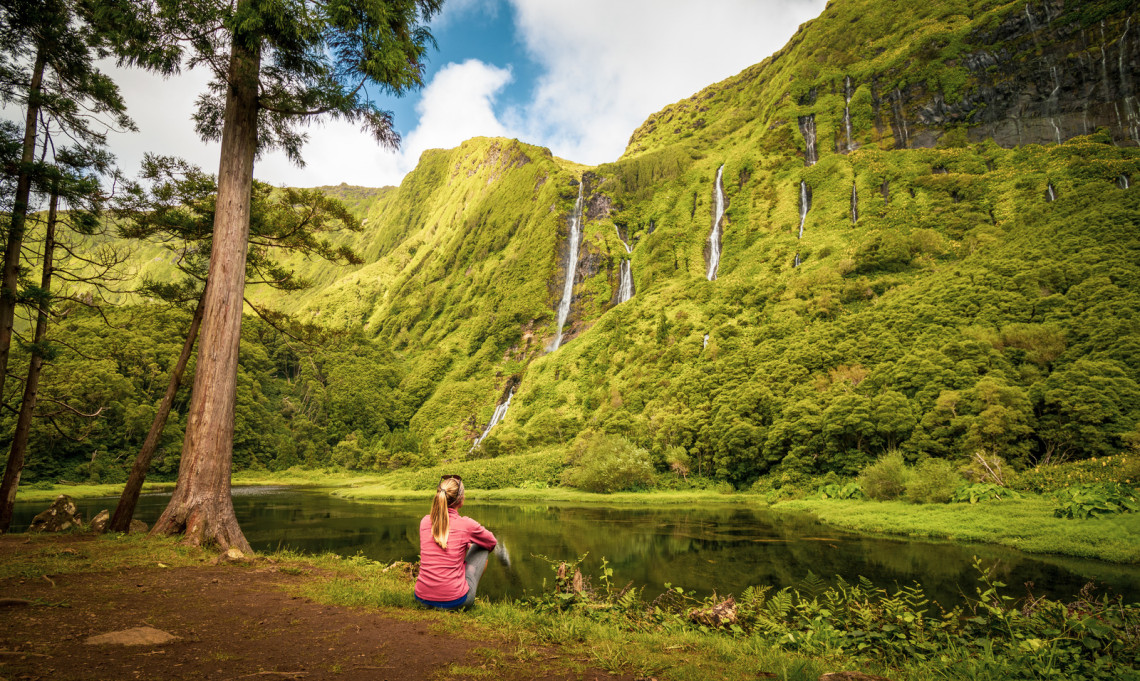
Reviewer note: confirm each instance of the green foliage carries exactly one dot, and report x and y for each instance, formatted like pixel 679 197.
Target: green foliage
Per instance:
pixel 886 478
pixel 1090 501
pixel 932 481
pixel 607 463
pixel 992 633
pixel 536 470
pixel 834 490
pixel 983 491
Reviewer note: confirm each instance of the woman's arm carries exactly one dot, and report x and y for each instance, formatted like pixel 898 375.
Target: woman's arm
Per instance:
pixel 482 536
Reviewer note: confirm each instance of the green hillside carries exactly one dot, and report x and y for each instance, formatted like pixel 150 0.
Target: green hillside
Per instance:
pixel 963 281
pixel 961 310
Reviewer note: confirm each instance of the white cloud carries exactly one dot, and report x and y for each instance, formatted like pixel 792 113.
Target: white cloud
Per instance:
pixel 608 65
pixel 605 66
pixel 456 105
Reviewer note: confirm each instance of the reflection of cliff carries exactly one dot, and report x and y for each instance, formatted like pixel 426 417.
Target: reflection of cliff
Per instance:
pixel 726 549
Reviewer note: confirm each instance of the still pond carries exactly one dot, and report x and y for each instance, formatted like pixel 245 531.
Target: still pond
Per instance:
pixel 726 548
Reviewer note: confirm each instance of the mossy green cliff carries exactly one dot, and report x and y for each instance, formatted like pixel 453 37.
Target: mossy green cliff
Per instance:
pixel 963 282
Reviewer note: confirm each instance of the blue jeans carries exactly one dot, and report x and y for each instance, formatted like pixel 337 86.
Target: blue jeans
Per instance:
pixel 474 565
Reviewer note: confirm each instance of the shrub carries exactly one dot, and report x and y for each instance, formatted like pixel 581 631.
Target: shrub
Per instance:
pixel 983 491
pixel 607 463
pixel 886 478
pixel 836 491
pixel 933 481
pixel 1090 501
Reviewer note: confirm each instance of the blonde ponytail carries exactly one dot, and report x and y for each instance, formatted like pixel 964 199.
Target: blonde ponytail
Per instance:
pixel 448 494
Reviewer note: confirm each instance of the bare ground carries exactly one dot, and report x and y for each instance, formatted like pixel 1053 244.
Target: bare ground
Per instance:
pixel 234 622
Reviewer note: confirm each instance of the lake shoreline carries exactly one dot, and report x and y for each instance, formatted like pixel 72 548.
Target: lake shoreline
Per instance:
pixel 1024 524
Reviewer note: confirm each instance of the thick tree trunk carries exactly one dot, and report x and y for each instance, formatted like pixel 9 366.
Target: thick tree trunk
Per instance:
pixel 9 279
pixel 121 520
pixel 201 506
pixel 28 406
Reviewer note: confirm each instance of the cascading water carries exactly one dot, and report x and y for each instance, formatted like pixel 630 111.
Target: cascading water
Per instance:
pixel 625 282
pixel 500 412
pixel 900 120
pixel 714 238
pixel 1050 193
pixel 847 113
pixel 625 273
pixel 571 267
pixel 1129 96
pixel 805 205
pixel 797 261
pixel 706 342
pixel 1122 182
pixel 854 205
pixel 807 129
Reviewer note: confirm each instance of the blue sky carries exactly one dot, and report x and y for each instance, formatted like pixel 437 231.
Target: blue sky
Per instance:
pixel 577 77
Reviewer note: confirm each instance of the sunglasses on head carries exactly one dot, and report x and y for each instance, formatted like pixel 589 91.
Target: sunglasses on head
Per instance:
pixel 450 477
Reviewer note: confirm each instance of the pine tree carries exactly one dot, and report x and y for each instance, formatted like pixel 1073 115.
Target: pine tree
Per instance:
pixel 277 65
pixel 178 210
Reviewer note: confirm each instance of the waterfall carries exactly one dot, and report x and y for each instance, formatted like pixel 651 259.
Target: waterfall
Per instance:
pixel 1122 182
pixel 714 238
pixel 1050 193
pixel 1056 130
pixel 854 204
pixel 900 119
pixel 797 261
pixel 706 343
pixel 571 266
pixel 500 412
pixel 805 205
pixel 807 129
pixel 1130 107
pixel 625 282
pixel 847 113
pixel 625 273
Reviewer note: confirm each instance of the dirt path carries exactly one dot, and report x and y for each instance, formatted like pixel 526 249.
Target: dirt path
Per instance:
pixel 231 622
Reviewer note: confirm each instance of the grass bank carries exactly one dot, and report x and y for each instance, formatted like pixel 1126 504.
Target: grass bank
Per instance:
pixel 48 493
pixel 789 634
pixel 1026 524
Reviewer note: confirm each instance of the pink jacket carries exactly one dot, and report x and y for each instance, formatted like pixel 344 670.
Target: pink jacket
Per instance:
pixel 442 572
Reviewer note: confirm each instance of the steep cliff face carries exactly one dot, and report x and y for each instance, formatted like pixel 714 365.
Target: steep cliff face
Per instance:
pixel 907 74
pixel 889 273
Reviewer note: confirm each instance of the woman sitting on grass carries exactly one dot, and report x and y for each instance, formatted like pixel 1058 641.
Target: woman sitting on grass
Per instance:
pixel 453 550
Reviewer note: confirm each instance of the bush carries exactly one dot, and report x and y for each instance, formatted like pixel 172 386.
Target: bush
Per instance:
pixel 607 463
pixel 1090 501
pixel 886 478
pixel 983 491
pixel 933 481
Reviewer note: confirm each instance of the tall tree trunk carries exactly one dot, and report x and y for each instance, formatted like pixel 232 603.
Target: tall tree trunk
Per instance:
pixel 28 406
pixel 9 280
pixel 201 506
pixel 121 520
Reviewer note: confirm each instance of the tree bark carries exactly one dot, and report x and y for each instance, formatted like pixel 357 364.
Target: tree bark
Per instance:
pixel 31 387
pixel 121 520
pixel 201 506
pixel 9 280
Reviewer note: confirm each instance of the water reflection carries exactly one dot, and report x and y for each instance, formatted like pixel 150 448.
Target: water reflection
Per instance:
pixel 726 548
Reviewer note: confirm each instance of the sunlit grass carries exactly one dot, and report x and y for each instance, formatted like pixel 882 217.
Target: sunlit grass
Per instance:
pixel 1026 524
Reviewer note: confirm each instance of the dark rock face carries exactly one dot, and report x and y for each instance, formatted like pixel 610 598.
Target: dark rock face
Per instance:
pixel 1041 76
pixel 61 515
pixel 1051 80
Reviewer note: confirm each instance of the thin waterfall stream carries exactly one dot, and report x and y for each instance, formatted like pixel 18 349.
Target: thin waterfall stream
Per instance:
pixel 714 238
pixel 571 267
pixel 625 273
pixel 500 413
pixel 847 114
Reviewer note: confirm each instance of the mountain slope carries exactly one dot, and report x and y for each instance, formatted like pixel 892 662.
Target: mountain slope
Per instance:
pixel 912 283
